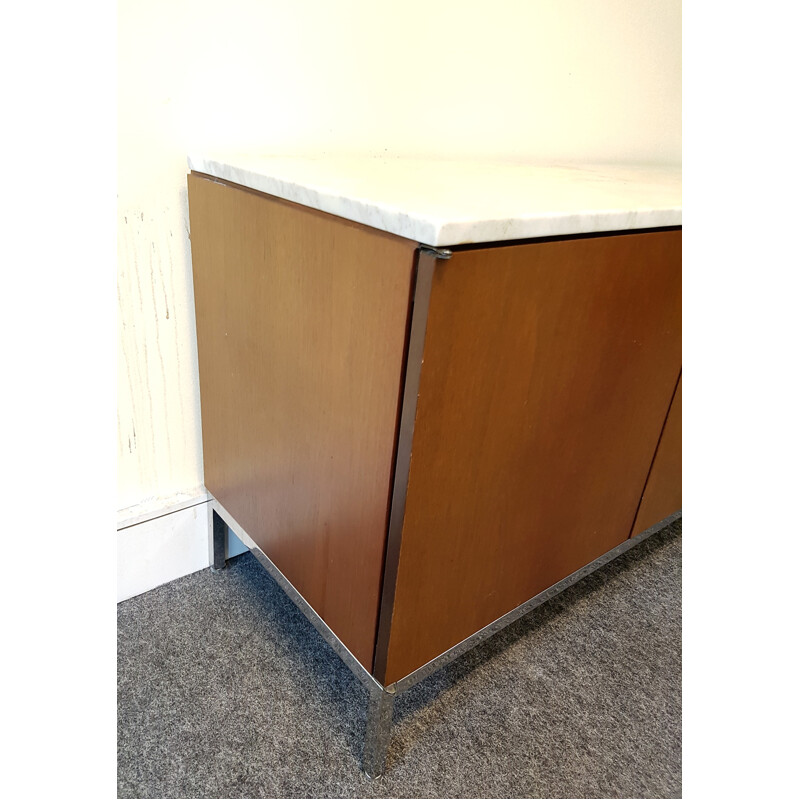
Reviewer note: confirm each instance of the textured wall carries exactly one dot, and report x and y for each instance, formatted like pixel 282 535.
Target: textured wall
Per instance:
pixel 561 78
pixel 158 410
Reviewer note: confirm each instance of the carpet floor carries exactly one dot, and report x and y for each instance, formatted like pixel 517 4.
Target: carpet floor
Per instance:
pixel 226 690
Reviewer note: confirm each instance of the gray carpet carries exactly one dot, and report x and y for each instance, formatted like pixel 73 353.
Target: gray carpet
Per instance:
pixel 225 690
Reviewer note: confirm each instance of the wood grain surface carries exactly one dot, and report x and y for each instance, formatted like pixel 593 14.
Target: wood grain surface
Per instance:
pixel 301 329
pixel 662 494
pixel 548 372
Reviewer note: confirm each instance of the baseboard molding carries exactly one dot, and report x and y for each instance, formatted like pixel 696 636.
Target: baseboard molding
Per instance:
pixel 159 542
pixel 155 507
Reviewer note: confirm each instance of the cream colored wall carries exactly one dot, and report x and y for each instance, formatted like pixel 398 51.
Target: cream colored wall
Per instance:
pixel 595 79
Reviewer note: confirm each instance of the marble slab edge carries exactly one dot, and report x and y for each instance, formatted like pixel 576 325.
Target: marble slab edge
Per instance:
pixel 439 232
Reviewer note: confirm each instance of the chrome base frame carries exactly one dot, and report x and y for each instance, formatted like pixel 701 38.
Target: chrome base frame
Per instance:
pixel 381 698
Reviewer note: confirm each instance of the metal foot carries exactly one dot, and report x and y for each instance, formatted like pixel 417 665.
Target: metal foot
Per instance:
pixel 379 729
pixel 217 543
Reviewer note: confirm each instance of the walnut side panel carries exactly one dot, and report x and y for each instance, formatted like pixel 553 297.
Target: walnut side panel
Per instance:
pixel 662 495
pixel 548 372
pixel 301 329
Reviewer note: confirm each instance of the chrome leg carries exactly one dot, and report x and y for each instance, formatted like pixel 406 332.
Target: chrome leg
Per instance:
pixel 379 729
pixel 218 535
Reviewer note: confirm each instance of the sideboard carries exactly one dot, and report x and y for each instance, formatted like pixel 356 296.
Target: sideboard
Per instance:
pixel 434 393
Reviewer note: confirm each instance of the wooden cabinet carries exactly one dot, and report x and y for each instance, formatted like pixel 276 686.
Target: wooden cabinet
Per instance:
pixel 548 370
pixel 422 441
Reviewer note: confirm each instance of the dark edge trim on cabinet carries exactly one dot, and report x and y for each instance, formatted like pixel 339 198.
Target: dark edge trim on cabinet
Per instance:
pixel 398 418
pixel 426 264
pixel 655 452
pixel 461 248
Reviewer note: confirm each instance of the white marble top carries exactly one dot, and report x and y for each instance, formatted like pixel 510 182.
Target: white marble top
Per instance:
pixel 442 202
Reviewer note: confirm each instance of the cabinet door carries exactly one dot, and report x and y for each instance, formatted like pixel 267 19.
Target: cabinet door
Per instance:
pixel 662 495
pixel 547 373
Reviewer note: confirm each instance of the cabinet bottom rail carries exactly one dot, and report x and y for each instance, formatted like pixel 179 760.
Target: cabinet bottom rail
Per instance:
pixel 381 698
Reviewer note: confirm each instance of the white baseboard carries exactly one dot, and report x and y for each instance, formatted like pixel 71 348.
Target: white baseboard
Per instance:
pixel 157 543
